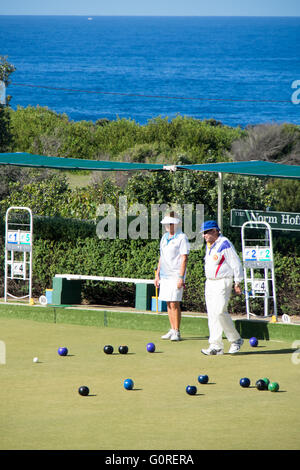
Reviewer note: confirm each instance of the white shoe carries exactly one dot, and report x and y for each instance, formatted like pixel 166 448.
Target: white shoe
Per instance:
pixel 236 346
pixel 212 351
pixel 175 336
pixel 168 335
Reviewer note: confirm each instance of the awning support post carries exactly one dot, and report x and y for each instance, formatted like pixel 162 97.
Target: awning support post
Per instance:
pixel 220 200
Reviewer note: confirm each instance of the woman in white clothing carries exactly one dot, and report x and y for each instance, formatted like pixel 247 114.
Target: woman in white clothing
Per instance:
pixel 171 270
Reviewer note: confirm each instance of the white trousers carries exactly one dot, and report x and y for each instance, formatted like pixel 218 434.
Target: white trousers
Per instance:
pixel 217 295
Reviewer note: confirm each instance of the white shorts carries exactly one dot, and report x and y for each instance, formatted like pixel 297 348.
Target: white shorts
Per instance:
pixel 168 290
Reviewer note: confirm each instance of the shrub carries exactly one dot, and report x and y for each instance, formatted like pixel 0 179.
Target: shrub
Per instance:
pixel 271 142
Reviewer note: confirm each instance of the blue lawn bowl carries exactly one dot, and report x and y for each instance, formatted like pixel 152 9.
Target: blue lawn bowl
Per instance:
pixel 128 384
pixel 245 382
pixel 203 379
pixel 62 351
pixel 253 342
pixel 151 347
pixel 191 389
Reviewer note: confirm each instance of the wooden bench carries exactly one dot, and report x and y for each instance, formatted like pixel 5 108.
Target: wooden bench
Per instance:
pixel 67 289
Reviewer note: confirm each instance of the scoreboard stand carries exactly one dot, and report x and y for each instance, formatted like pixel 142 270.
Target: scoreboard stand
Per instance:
pixel 258 266
pixel 18 253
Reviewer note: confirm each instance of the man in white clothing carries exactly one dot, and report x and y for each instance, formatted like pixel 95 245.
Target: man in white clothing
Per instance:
pixel 222 267
pixel 171 270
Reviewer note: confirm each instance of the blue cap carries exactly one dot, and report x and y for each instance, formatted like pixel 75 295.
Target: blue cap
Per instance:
pixel 208 225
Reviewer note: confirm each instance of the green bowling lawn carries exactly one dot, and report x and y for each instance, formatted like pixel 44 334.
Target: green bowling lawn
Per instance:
pixel 41 407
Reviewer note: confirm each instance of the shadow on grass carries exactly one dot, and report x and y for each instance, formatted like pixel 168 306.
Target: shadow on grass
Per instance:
pixel 268 351
pixel 278 391
pixel 194 338
pixel 120 354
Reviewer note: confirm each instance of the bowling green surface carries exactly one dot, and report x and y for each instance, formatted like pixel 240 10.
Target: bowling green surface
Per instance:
pixel 41 408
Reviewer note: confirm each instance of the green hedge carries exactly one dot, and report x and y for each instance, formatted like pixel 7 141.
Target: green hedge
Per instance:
pixel 70 246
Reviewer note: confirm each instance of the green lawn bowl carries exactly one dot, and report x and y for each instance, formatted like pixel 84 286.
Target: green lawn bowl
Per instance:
pixel 273 386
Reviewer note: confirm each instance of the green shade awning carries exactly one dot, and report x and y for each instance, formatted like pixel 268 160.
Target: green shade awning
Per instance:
pixel 249 168
pixel 61 163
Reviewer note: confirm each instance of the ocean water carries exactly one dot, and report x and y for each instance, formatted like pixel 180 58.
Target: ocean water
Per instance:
pixel 237 70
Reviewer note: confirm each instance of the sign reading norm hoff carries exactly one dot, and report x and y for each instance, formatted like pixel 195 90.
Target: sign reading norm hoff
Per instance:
pixel 276 220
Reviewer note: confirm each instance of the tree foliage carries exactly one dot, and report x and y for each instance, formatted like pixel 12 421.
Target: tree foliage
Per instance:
pixel 40 130
pixel 6 69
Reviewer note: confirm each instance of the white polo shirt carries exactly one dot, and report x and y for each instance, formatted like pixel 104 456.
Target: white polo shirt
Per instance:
pixel 171 250
pixel 221 261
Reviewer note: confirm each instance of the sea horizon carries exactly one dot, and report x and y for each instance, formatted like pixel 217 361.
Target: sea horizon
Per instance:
pixel 238 70
pixel 162 16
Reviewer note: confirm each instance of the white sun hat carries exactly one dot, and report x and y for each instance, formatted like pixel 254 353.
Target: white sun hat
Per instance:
pixel 170 220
